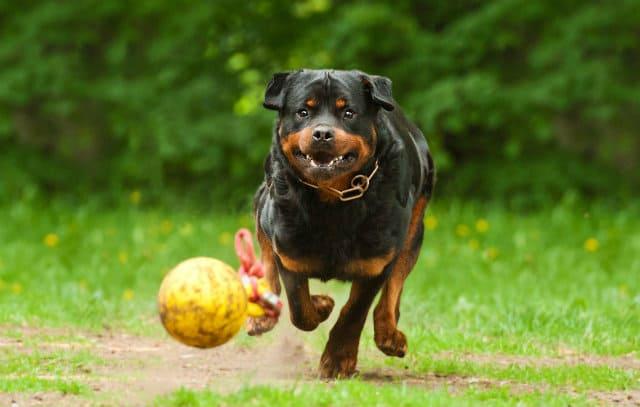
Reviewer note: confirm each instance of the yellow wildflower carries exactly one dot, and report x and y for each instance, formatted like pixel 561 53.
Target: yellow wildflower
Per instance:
pixel 135 196
pixel 51 240
pixel 482 225
pixel 463 230
pixel 186 229
pixel 474 244
pixel 166 226
pixel 16 288
pixel 591 245
pixel 430 222
pixel 491 253
pixel 83 285
pixel 623 289
pixel 128 294
pixel 225 238
pixel 123 257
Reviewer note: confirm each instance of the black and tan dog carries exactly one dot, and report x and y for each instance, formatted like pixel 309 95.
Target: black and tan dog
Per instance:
pixel 347 182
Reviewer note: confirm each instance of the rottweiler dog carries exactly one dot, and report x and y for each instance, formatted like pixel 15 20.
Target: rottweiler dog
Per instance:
pixel 347 182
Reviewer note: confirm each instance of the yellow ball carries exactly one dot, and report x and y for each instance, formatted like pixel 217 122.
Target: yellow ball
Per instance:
pixel 202 302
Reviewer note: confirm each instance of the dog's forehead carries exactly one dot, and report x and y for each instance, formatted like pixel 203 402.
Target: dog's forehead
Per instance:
pixel 326 84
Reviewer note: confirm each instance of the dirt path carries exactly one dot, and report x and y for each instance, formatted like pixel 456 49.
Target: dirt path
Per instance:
pixel 138 369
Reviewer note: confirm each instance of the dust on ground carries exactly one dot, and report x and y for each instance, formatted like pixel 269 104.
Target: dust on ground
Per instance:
pixel 138 369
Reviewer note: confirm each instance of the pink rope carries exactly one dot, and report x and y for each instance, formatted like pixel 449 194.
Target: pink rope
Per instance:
pixel 251 270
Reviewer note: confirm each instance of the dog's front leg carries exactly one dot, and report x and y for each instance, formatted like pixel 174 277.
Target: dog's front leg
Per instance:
pixel 307 311
pixel 340 355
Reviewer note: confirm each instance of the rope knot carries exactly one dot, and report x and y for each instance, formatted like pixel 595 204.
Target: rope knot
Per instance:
pixel 251 270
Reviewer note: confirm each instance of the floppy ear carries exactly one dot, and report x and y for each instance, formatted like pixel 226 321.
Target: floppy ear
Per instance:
pixel 274 95
pixel 380 89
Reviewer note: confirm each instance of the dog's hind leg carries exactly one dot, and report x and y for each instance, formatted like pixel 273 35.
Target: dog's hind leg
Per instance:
pixel 388 337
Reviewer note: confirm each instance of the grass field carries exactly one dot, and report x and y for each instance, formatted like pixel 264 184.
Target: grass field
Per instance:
pixel 540 308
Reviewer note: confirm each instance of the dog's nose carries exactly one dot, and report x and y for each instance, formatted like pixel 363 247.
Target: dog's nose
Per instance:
pixel 323 134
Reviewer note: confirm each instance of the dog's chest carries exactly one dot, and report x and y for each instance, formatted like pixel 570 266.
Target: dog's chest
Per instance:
pixel 335 245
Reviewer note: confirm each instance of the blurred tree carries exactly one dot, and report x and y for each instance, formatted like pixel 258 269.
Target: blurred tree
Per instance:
pixel 519 99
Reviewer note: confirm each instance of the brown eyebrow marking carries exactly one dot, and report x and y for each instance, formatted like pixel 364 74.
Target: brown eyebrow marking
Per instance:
pixel 341 102
pixel 311 102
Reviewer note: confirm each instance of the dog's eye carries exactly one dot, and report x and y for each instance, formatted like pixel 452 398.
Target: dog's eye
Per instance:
pixel 302 113
pixel 349 114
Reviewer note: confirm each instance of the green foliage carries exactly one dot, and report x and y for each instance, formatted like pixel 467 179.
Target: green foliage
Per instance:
pixel 157 93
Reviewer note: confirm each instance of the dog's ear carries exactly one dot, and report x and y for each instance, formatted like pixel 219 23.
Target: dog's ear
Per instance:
pixel 380 89
pixel 274 95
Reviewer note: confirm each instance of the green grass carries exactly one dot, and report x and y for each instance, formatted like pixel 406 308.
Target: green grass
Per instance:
pixel 36 384
pixel 58 370
pixel 488 281
pixel 356 393
pixel 101 266
pixel 579 377
pixel 542 291
pixel 58 363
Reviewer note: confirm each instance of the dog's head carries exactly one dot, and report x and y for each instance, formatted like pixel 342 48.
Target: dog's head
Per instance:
pixel 326 127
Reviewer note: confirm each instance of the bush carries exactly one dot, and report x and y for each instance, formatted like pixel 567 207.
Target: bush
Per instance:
pixel 114 94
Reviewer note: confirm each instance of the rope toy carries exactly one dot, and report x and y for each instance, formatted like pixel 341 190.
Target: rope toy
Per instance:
pixel 262 301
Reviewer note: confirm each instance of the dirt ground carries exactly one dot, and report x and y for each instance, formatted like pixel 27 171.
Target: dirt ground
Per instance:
pixel 138 369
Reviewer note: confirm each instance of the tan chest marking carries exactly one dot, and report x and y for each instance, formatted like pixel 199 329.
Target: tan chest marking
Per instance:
pixel 370 267
pixel 297 265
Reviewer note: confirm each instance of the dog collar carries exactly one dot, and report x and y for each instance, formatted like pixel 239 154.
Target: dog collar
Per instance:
pixel 359 185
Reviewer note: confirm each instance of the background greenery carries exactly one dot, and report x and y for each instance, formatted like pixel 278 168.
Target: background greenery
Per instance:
pixel 521 100
pixel 132 136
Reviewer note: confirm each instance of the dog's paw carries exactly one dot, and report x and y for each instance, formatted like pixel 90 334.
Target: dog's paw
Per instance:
pixel 260 325
pixel 392 342
pixel 323 305
pixel 337 366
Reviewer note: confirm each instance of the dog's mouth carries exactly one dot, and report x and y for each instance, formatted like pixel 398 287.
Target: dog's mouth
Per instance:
pixel 325 160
